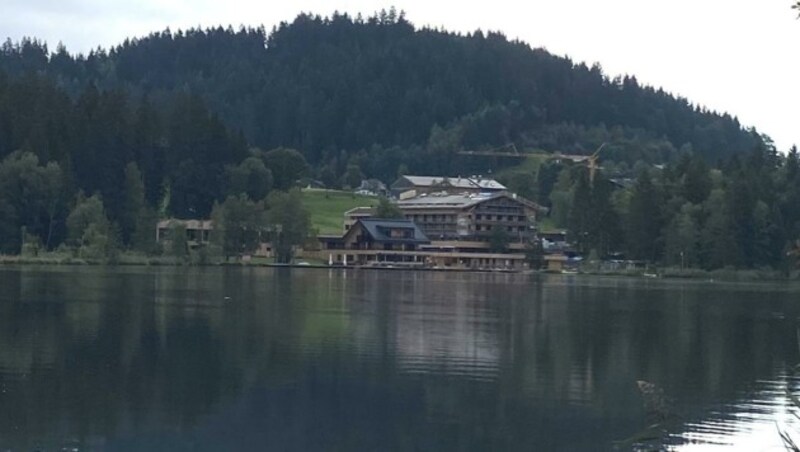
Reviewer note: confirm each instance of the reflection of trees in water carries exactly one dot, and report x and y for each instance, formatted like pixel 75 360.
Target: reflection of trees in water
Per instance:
pixel 494 360
pixel 102 357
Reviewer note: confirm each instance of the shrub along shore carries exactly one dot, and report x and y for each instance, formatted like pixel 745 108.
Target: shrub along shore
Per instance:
pixel 137 259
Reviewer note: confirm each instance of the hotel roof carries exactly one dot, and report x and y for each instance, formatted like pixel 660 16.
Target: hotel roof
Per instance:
pixel 455 182
pixel 463 200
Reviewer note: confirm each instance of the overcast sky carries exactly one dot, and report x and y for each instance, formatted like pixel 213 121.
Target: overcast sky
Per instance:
pixel 739 56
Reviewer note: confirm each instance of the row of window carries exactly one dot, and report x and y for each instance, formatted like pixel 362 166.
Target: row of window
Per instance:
pixel 500 217
pixel 496 208
pixel 427 218
pixel 508 228
pixel 452 218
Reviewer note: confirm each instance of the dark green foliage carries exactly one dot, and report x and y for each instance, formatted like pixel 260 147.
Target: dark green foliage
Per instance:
pixel 134 205
pixel 91 140
pixel 31 196
pixel 718 247
pixel 546 180
pixel 178 243
pixel 289 221
pixel 250 177
pixel 90 232
pixel 696 181
pixel 323 85
pixel 387 209
pixel 522 183
pixel 580 214
pixel 605 230
pixel 287 166
pixel 143 238
pixel 160 126
pixel 352 177
pixel 593 224
pixel 238 225
pixel 200 147
pixel 682 238
pixel 644 220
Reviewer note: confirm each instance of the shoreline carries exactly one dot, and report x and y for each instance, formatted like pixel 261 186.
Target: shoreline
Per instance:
pixel 171 262
pixel 720 275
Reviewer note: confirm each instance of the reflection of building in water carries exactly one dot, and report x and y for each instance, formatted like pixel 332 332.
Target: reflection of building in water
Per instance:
pixel 447 332
pixel 423 323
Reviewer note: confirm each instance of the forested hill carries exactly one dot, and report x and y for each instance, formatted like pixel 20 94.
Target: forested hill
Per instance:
pixel 221 123
pixel 372 90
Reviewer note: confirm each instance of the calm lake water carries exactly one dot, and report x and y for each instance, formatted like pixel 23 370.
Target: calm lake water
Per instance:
pixel 172 359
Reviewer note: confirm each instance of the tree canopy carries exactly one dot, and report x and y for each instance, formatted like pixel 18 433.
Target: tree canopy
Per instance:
pixel 176 123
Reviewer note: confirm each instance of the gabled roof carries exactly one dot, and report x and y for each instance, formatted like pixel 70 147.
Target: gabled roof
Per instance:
pixel 378 229
pixel 364 211
pixel 454 182
pixel 205 225
pixel 464 200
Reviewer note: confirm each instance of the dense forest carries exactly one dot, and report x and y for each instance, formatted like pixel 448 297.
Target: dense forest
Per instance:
pixel 745 214
pixel 172 123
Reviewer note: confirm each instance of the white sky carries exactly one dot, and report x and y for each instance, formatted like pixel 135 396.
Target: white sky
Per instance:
pixel 739 56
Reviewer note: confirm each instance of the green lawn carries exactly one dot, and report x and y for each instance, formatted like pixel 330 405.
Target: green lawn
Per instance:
pixel 530 165
pixel 327 208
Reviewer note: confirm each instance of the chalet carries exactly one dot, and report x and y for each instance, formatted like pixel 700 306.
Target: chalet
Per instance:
pixel 371 241
pixel 401 243
pixel 411 186
pixel 459 227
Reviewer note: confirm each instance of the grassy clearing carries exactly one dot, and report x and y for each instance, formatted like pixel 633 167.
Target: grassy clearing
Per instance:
pixel 529 165
pixel 547 224
pixel 327 208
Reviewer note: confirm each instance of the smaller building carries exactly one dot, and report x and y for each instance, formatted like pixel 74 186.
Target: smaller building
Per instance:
pixel 556 263
pixel 554 242
pixel 372 241
pixel 197 231
pixel 372 187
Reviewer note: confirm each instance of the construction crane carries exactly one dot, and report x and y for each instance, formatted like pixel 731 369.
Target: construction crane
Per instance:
pixel 590 160
pixel 510 151
pixel 593 162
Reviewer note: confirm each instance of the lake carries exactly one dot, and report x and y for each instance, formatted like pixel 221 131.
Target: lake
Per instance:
pixel 172 359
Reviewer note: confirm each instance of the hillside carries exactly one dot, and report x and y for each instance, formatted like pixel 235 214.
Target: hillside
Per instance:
pixel 174 123
pixel 381 93
pixel 327 208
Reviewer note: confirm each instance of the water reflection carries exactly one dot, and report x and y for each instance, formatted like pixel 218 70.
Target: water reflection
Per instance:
pixel 254 359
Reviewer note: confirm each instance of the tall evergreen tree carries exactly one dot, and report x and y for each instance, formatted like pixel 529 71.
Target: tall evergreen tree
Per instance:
pixel 581 213
pixel 644 220
pixel 604 227
pixel 134 202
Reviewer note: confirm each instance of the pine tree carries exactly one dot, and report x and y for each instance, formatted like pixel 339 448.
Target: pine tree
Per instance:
pixel 580 214
pixel 682 238
pixel 644 220
pixel 604 227
pixel 134 203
